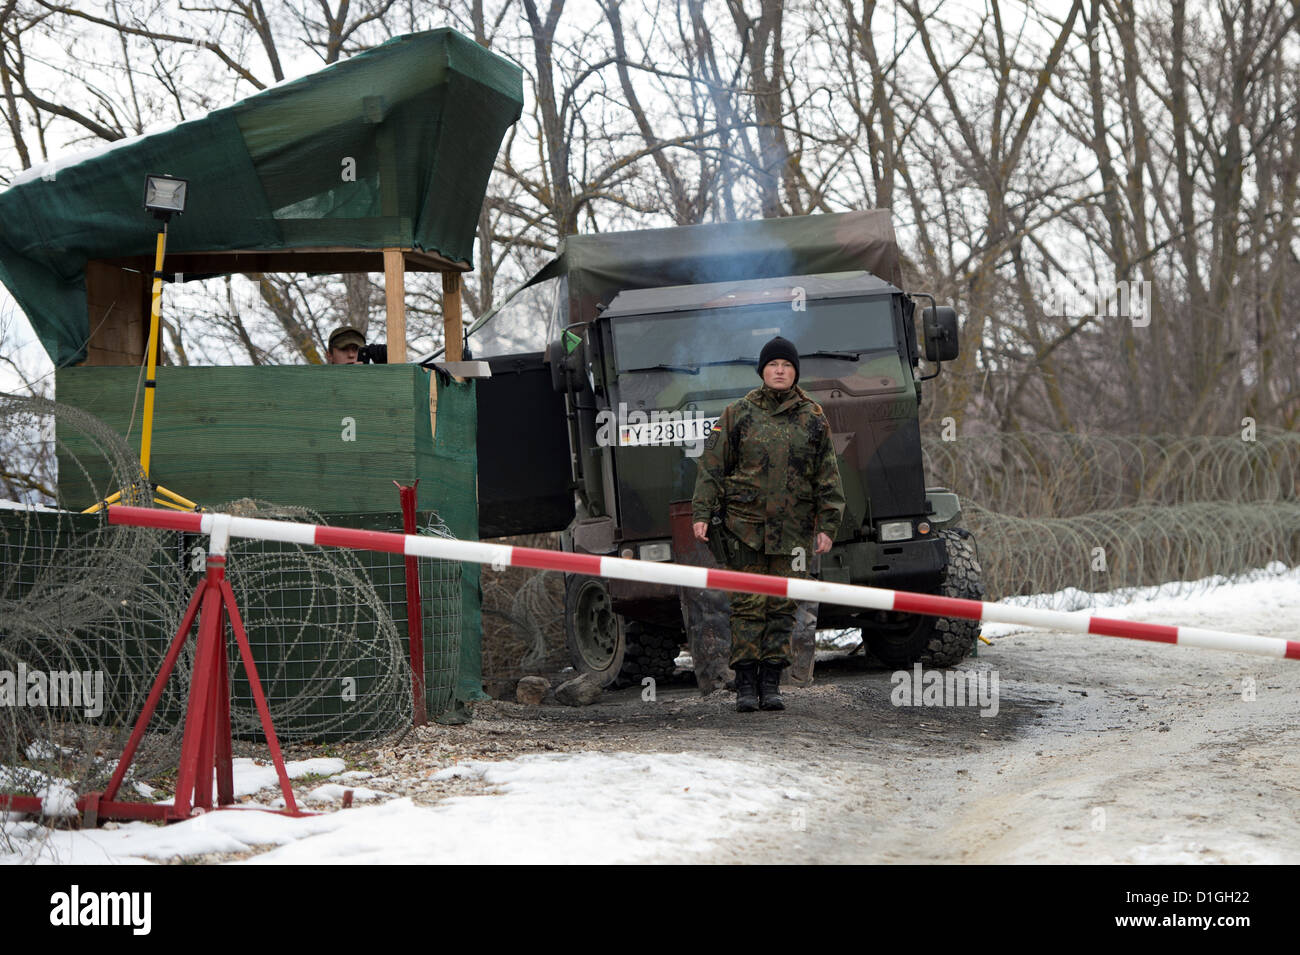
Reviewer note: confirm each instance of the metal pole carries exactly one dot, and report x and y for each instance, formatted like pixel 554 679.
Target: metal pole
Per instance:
pixel 150 384
pixel 414 609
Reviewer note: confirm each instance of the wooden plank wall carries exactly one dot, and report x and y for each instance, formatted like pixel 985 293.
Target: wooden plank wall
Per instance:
pixel 117 302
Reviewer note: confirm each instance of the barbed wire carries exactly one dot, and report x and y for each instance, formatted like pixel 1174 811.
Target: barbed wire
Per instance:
pixel 523 616
pixel 81 597
pixel 320 623
pixel 1038 475
pixel 1191 547
pixel 1060 515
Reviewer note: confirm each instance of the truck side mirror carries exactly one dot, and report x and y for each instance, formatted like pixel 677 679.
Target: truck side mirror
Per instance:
pixel 940 328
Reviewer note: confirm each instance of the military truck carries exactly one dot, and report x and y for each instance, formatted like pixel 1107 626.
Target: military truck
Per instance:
pixel 652 334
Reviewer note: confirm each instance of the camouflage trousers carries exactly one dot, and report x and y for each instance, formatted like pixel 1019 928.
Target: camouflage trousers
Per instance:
pixel 761 626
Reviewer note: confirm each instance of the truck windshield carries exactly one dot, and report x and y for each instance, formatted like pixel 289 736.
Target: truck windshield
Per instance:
pixel 840 329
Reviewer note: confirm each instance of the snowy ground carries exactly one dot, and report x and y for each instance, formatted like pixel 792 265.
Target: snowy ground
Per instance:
pixel 594 807
pixel 1102 750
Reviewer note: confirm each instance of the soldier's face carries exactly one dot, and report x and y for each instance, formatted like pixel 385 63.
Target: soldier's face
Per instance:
pixel 345 355
pixel 778 374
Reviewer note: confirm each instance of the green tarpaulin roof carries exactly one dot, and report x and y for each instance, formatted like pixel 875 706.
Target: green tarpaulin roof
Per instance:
pixel 599 266
pixel 391 148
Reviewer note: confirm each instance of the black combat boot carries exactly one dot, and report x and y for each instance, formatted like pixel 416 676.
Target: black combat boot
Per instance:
pixel 769 686
pixel 746 687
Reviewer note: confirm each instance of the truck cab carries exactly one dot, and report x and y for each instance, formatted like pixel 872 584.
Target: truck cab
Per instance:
pixel 646 371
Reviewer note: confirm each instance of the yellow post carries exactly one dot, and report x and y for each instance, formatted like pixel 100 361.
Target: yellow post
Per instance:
pixel 161 494
pixel 146 431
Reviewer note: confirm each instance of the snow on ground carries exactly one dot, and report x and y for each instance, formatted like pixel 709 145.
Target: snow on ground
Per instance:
pixel 1259 602
pixel 574 807
pixel 1256 603
pixel 578 807
pixel 252 777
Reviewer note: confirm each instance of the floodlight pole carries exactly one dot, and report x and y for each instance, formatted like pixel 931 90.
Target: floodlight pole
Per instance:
pixel 150 383
pixel 161 495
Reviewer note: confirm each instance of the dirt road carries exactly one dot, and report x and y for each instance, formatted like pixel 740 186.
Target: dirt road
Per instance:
pixel 1101 750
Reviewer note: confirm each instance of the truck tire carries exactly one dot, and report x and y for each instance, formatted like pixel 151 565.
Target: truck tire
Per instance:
pixel 937 641
pixel 651 652
pixel 594 634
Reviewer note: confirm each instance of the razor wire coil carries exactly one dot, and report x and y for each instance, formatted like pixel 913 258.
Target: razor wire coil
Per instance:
pixel 80 595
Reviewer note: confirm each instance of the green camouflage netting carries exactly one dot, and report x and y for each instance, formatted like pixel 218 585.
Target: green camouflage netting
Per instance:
pixel 391 148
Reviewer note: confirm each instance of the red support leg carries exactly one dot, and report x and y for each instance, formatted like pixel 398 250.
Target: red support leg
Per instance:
pixel 208 733
pixel 414 608
pixel 254 684
pixel 155 693
pixel 196 710
pixel 221 711
pixel 206 747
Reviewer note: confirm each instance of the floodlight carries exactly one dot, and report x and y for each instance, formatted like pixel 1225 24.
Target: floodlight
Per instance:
pixel 164 195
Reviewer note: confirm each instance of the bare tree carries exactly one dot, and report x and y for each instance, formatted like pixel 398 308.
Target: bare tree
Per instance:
pixel 1019 148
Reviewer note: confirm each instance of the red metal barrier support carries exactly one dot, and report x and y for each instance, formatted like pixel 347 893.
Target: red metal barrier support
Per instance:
pixel 414 608
pixel 206 745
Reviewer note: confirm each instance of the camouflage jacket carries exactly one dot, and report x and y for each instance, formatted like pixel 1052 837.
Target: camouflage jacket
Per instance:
pixel 770 459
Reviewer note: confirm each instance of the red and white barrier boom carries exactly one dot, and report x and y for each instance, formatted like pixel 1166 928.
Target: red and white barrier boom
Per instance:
pixel 501 556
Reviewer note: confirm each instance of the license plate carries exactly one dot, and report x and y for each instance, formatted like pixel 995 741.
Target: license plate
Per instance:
pixel 668 431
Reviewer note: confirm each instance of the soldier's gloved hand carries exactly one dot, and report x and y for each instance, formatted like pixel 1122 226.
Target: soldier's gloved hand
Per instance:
pixel 823 543
pixel 701 530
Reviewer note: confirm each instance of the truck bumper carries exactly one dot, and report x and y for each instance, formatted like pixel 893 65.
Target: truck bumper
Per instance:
pixel 904 565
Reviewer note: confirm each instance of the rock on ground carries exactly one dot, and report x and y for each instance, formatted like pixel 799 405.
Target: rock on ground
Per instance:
pixel 531 690
pixel 582 691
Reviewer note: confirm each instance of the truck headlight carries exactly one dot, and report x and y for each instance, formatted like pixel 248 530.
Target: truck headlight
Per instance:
pixel 896 531
pixel 660 551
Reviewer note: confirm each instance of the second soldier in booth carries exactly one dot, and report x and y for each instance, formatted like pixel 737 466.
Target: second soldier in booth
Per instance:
pixel 347 346
pixel 769 467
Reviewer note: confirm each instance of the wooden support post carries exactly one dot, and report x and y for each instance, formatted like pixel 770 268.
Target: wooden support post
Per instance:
pixel 117 312
pixel 453 336
pixel 395 302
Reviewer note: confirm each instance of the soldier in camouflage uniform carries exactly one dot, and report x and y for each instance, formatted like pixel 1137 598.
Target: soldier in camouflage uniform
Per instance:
pixel 769 465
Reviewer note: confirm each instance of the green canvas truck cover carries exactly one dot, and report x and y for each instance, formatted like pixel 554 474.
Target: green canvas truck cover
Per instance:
pixel 599 266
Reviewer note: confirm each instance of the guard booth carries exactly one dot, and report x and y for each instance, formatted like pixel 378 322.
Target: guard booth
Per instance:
pixel 375 164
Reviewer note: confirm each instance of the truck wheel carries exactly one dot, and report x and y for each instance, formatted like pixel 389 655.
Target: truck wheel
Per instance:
pixel 593 632
pixel 936 641
pixel 651 652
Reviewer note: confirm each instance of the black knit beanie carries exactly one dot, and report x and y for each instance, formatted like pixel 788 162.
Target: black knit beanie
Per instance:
pixel 779 348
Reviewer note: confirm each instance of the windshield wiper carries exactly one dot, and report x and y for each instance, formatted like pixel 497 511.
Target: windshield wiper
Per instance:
pixel 685 369
pixel 733 361
pixel 844 355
